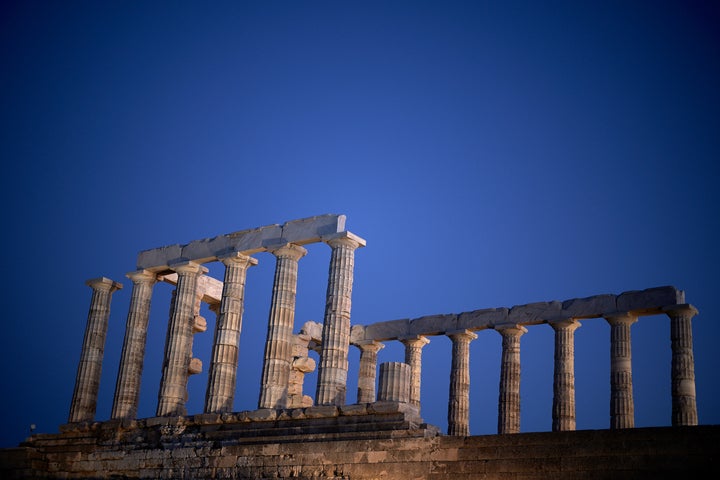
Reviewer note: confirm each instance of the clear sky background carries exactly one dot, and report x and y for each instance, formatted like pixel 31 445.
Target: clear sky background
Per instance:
pixel 491 153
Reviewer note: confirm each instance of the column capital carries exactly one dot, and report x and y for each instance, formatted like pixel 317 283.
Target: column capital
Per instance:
pixel 369 345
pixel 414 340
pixel 238 258
pixel 142 276
pixel 461 334
pixel 288 250
pixel 511 329
pixel 620 318
pixel 569 324
pixel 681 309
pixel 344 238
pixel 188 267
pixel 103 283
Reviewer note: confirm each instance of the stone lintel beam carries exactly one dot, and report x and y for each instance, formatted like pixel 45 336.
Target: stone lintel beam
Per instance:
pixel 534 313
pixel 649 301
pixel 482 319
pixel 430 325
pixel 589 307
pixel 299 232
pixel 210 288
pixel 314 331
pixel 389 330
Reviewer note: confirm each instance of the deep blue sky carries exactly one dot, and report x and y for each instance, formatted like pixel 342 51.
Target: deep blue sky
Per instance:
pixel 491 154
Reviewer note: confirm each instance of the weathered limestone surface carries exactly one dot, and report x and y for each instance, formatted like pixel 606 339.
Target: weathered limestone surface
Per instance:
pixel 563 410
pixel 87 382
pixel 459 397
pixel 509 401
pixel 622 410
pixel 232 447
pixel 394 382
pixel 684 408
pixel 367 370
pixel 299 232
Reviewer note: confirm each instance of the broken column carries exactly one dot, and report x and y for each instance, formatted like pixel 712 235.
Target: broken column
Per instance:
pixel 332 374
pixel 394 382
pixel 177 364
pixel 87 381
pixel 622 409
pixel 413 357
pixel 684 407
pixel 563 409
pixel 222 376
pixel 459 401
pixel 367 370
pixel 127 387
pixel 278 347
pixel 509 401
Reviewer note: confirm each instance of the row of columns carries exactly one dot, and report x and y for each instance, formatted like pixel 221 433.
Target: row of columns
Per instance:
pixel 277 365
pixel 184 321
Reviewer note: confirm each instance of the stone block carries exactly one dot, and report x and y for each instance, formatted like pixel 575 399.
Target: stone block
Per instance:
pixel 157 257
pixel 534 313
pixel 432 324
pixel 589 307
pixel 649 301
pixel 480 319
pixel 321 411
pixel 262 415
pixel 389 330
pixel 304 364
pixel 354 409
pixel 310 230
pixel 252 241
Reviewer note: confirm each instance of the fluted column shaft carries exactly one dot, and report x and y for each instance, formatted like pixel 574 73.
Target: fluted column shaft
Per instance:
pixel 394 382
pixel 367 370
pixel 459 398
pixel 87 381
pixel 563 409
pixel 622 408
pixel 173 384
pixel 684 407
pixel 413 357
pixel 127 387
pixel 332 373
pixel 278 346
pixel 222 377
pixel 509 399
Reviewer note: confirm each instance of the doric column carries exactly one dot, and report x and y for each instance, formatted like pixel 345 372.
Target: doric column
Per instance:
pixel 278 346
pixel 509 401
pixel 413 357
pixel 367 370
pixel 127 388
pixel 622 409
pixel 459 401
pixel 332 374
pixel 222 376
pixel 684 408
pixel 563 409
pixel 394 382
pixel 173 385
pixel 87 381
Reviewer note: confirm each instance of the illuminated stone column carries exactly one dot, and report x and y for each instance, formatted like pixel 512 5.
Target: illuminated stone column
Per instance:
pixel 509 401
pixel 87 381
pixel 367 370
pixel 684 407
pixel 127 388
pixel 394 382
pixel 622 409
pixel 222 376
pixel 563 409
pixel 177 364
pixel 459 401
pixel 413 357
pixel 332 374
pixel 278 347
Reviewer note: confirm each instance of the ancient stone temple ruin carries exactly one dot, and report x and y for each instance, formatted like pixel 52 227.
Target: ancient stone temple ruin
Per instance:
pixel 294 435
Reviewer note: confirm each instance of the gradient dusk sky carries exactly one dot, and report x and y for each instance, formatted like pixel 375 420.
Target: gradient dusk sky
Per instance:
pixel 491 153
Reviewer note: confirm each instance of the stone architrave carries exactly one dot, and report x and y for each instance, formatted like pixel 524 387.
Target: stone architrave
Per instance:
pixel 87 381
pixel 459 401
pixel 176 365
pixel 332 373
pixel 278 359
pixel 222 377
pixel 413 357
pixel 509 401
pixel 367 370
pixel 127 388
pixel 684 407
pixel 563 409
pixel 622 407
